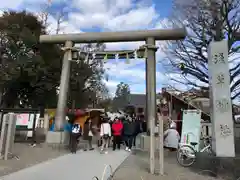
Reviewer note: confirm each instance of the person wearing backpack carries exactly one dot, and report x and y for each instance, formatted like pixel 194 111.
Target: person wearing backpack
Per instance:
pixel 75 134
pixel 105 133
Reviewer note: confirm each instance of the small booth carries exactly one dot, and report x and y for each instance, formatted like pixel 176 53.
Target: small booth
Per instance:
pixel 76 115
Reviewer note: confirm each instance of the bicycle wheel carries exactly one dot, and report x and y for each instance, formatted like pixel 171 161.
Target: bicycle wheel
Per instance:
pixel 95 178
pixel 186 155
pixel 107 173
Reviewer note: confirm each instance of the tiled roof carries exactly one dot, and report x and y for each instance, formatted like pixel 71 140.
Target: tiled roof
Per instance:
pixel 137 100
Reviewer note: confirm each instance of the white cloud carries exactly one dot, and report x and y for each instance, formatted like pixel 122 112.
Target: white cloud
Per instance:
pixel 111 7
pixel 135 88
pixel 112 14
pixel 136 74
pixel 106 15
pixel 11 4
pixel 140 18
pixel 112 85
pixel 124 45
pixel 16 4
pixel 84 21
pixel 65 26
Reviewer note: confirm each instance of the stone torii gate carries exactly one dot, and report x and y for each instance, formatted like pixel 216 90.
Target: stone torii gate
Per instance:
pixel 149 36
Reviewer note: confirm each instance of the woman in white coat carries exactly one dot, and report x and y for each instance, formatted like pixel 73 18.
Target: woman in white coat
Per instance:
pixel 171 138
pixel 105 133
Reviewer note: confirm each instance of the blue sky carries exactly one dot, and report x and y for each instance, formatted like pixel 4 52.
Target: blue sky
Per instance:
pixel 109 15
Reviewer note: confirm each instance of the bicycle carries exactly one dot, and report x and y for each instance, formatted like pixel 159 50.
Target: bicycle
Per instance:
pixel 187 152
pixel 107 174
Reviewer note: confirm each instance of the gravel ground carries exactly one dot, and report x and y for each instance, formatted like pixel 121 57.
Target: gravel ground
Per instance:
pixel 136 167
pixel 29 156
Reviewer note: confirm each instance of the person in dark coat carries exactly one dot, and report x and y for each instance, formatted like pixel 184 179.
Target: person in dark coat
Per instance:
pixel 99 141
pixel 88 133
pixel 137 124
pixel 128 133
pixel 143 123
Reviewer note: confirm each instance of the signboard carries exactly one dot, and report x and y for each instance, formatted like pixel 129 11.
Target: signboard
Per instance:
pixel 220 100
pixel 22 119
pixel 27 120
pixel 191 127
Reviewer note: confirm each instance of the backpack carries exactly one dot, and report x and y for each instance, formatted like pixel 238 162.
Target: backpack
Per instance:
pixel 76 129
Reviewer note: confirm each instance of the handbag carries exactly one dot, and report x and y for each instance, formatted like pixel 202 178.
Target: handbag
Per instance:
pixel 90 133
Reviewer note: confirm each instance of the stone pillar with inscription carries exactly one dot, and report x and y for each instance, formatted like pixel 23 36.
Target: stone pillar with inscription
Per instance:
pixel 220 100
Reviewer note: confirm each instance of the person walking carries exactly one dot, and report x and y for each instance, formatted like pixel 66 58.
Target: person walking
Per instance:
pixel 117 128
pixel 128 133
pixel 75 134
pixel 110 139
pixel 88 133
pixel 105 133
pixel 99 139
pixel 143 123
pixel 137 125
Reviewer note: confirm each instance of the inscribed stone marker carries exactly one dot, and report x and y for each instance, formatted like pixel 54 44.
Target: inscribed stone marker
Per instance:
pixel 220 100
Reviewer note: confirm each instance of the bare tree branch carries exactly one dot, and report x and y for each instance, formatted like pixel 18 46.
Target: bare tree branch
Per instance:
pixel 60 17
pixel 205 21
pixel 44 14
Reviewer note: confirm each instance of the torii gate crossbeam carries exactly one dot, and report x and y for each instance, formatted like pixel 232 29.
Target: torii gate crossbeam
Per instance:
pixel 122 36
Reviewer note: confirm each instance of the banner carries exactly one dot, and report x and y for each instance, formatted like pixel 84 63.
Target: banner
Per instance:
pixel 191 127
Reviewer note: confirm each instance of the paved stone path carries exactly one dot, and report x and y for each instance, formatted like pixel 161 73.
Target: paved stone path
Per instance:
pixel 84 165
pixel 29 156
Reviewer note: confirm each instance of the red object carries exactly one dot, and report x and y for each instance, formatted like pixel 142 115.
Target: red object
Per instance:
pixel 117 128
pixel 76 112
pixel 79 112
